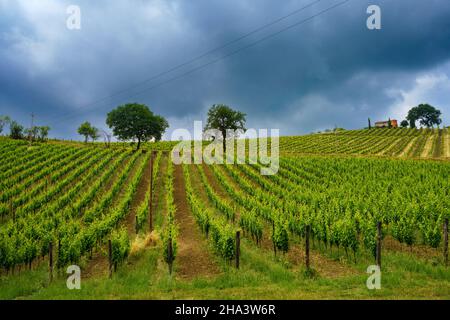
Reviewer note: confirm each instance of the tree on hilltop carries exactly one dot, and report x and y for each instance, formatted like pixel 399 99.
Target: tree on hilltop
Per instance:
pixel 86 130
pixel 404 124
pixel 135 121
pixel 426 114
pixel 4 120
pixel 222 118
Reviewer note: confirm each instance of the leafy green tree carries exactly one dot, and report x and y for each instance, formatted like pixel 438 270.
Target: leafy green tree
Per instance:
pixel 161 125
pixel 223 118
pixel 412 117
pixel 370 124
pixel 85 130
pixel 426 114
pixel 94 134
pixel 32 132
pixel 4 120
pixel 404 124
pixel 136 122
pixel 16 130
pixel 389 123
pixel 43 132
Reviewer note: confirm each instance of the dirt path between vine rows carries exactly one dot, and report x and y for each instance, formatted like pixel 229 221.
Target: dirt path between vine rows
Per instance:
pixel 98 265
pixel 193 257
pixel 408 147
pixel 426 152
pixel 387 151
pixel 446 142
pixel 139 197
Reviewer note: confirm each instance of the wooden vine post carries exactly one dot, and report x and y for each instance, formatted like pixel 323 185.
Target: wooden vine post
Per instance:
pixel 446 241
pixel 273 238
pixel 238 248
pixel 378 252
pixel 59 252
pixel 110 258
pixel 307 234
pixel 150 213
pixel 50 261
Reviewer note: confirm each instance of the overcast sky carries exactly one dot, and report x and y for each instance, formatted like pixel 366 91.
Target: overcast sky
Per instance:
pixel 328 70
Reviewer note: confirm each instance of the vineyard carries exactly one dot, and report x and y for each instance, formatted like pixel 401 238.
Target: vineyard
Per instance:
pixel 141 227
pixel 396 142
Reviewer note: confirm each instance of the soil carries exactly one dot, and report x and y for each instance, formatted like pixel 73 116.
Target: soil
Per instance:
pixel 325 267
pixel 426 152
pixel 446 143
pixel 408 147
pixel 139 197
pixel 418 250
pixel 389 149
pixel 99 263
pixel 214 183
pixel 97 266
pixel 193 258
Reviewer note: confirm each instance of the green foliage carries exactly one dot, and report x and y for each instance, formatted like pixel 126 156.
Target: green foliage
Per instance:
pixel 368 231
pixel 404 230
pixel 222 233
pixel 426 114
pixel 79 195
pixel 93 134
pixel 143 210
pixel 170 234
pixel 4 120
pixel 280 236
pixel 39 133
pixel 226 208
pixel 16 129
pixel 223 118
pixel 223 236
pixel 86 130
pixel 43 132
pixel 250 222
pixel 432 234
pixel 170 231
pixel 121 245
pixel 32 132
pixel 136 122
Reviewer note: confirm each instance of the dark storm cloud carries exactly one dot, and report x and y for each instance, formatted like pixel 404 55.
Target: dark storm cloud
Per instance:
pixel 328 71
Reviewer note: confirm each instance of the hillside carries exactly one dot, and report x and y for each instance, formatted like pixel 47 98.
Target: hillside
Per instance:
pixel 395 142
pixel 78 197
pixel 392 143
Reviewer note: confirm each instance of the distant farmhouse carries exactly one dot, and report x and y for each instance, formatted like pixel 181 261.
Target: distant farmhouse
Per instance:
pixel 385 124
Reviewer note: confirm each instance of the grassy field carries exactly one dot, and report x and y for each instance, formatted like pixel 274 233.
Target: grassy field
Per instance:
pixel 78 197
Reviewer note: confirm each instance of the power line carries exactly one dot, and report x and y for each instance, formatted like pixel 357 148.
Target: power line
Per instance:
pixel 156 76
pixel 218 48
pixel 202 55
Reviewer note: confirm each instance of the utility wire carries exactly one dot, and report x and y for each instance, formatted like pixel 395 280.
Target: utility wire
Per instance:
pixel 156 76
pixel 222 57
